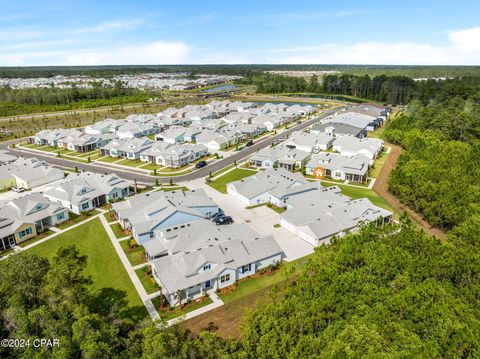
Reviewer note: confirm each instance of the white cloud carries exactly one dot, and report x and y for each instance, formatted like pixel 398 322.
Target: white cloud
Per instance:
pixel 158 52
pixel 111 25
pixel 463 48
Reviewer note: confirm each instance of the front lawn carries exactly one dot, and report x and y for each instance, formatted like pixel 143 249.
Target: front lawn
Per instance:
pixel 147 280
pixel 109 159
pixel 118 230
pixel 135 255
pixel 109 217
pixel 220 184
pixel 175 312
pixel 130 163
pixel 40 236
pixel 75 218
pixel 111 283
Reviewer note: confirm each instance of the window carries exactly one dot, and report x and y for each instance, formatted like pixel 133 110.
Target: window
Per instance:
pixel 25 232
pixel 85 206
pixel 246 268
pixel 115 195
pixel 207 267
pixel 29 230
pixel 60 216
pixel 208 284
pixel 225 278
pixel 83 191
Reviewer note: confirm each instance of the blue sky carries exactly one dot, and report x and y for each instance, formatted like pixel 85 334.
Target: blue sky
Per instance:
pixel 194 32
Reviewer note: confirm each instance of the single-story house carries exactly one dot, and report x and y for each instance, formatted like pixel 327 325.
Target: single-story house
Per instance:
pixel 185 276
pixel 280 156
pixel 87 190
pixel 126 148
pixel 338 167
pixel 317 216
pixel 145 213
pixel 271 185
pixel 310 142
pixel 173 155
pixel 23 218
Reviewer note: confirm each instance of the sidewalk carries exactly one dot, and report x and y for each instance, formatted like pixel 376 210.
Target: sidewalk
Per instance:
pixel 130 271
pixel 217 302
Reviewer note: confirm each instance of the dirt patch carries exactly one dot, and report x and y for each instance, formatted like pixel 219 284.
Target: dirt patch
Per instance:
pixel 381 188
pixel 226 320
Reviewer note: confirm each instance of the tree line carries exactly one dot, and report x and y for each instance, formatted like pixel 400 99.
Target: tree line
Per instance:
pixel 394 90
pixel 385 291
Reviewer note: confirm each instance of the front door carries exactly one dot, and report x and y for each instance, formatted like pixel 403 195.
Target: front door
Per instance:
pixel 208 284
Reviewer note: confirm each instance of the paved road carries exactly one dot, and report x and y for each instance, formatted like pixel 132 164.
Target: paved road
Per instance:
pixel 146 179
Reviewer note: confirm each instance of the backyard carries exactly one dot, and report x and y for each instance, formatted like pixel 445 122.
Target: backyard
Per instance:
pixel 111 284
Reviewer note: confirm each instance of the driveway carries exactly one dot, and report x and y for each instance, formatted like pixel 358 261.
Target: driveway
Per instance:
pixel 261 219
pixel 10 195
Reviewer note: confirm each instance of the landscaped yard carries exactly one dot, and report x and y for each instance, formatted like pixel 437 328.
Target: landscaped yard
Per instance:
pixel 40 236
pixel 225 169
pixel 109 159
pixel 168 314
pixel 109 217
pixel 152 166
pixel 111 283
pixel 135 255
pixel 220 184
pixel 130 163
pixel 75 218
pixel 147 280
pixel 118 230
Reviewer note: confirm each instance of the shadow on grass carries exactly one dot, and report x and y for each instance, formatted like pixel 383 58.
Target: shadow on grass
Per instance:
pixel 108 301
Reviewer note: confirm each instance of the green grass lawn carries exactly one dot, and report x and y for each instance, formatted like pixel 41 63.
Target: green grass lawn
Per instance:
pixel 152 166
pixel 220 184
pixel 355 192
pixel 172 174
pixel 223 170
pixel 269 205
pixel 169 189
pixel 109 159
pixel 74 219
pixel 130 163
pixel 135 255
pixel 109 218
pixel 378 133
pixel 40 236
pixel 378 164
pixel 168 314
pixel 111 283
pixel 261 281
pixel 147 280
pixel 118 230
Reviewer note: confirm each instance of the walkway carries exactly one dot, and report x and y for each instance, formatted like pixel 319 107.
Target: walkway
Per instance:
pixel 217 302
pixel 130 271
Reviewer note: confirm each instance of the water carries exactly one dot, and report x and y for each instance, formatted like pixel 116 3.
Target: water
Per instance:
pixel 221 88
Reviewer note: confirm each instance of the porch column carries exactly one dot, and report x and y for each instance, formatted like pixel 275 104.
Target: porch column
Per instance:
pixel 186 294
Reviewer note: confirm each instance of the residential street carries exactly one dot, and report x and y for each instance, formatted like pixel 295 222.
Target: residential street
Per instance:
pixel 145 179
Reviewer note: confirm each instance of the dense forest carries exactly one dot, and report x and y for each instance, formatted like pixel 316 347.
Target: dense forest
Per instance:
pixel 395 90
pixel 359 70
pixel 387 291
pixel 30 100
pixel 438 173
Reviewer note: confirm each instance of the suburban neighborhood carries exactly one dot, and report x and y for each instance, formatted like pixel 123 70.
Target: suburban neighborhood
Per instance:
pixel 192 238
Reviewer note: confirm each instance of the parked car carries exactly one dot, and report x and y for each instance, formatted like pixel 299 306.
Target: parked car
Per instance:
pixel 217 215
pixel 18 189
pixel 201 164
pixel 223 220
pixel 249 143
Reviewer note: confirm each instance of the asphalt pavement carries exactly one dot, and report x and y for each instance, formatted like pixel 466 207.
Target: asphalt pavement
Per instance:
pixel 146 179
